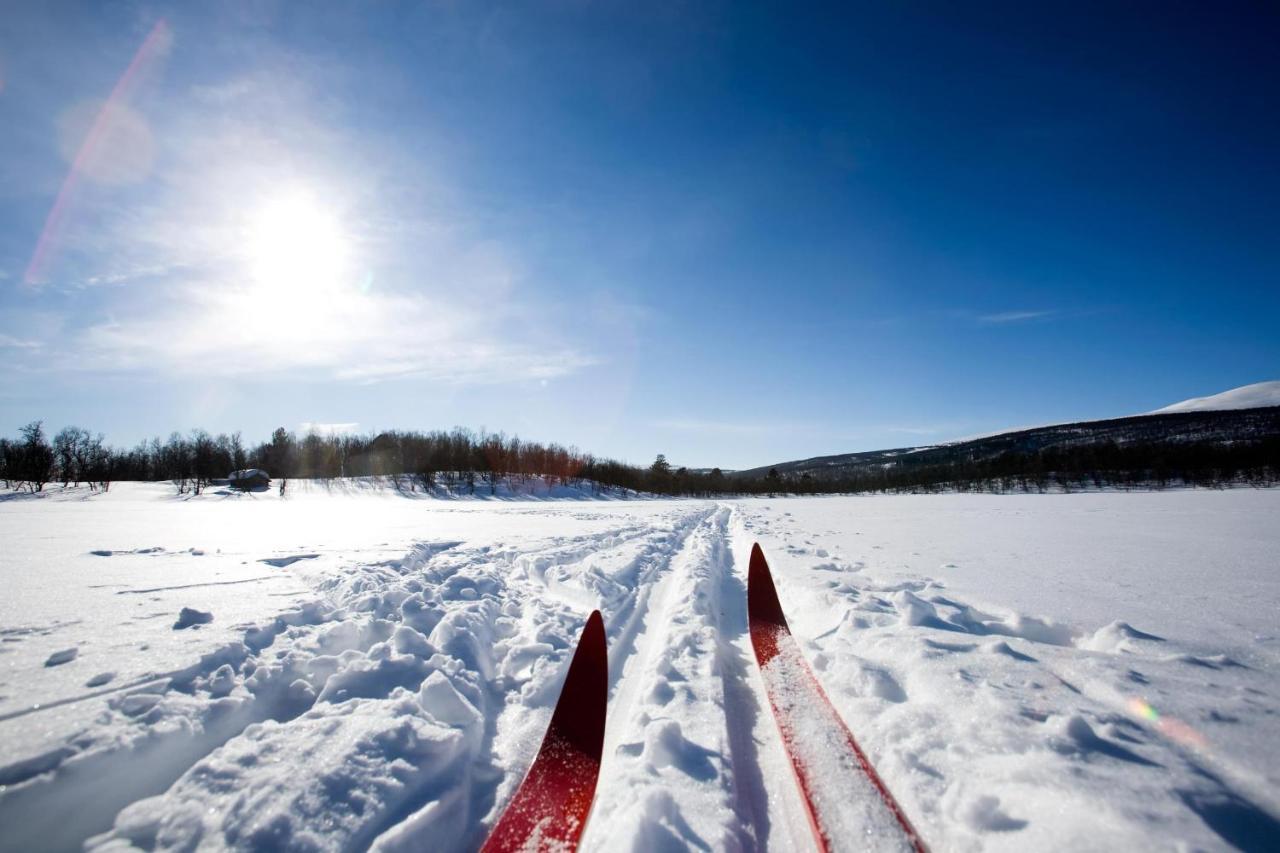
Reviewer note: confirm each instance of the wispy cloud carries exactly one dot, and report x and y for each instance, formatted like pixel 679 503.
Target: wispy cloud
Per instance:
pixel 429 295
pixel 9 341
pixel 1007 317
pixel 212 329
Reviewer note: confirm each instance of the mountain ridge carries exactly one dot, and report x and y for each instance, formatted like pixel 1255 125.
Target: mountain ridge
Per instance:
pixel 1196 420
pixel 1256 395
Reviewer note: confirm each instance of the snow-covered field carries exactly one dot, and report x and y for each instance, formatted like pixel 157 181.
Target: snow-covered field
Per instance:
pixel 346 668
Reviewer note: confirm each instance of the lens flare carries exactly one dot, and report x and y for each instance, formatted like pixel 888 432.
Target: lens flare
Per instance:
pixel 156 44
pixel 1172 728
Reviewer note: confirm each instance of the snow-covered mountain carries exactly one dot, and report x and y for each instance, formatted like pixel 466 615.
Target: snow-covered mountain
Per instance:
pixel 1253 396
pixel 1242 416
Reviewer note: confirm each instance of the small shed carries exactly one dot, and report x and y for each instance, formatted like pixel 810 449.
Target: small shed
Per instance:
pixel 250 479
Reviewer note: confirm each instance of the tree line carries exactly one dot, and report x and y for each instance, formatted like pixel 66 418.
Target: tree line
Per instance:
pixel 461 460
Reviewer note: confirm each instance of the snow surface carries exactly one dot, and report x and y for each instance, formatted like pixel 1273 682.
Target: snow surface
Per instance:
pixel 1245 397
pixel 349 668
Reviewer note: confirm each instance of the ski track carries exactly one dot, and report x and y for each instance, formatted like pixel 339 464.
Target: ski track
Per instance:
pixel 415 692
pixel 667 780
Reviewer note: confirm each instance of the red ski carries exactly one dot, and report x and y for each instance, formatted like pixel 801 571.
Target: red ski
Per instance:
pixel 848 804
pixel 550 808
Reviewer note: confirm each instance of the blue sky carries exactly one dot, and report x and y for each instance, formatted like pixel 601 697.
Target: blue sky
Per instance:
pixel 736 234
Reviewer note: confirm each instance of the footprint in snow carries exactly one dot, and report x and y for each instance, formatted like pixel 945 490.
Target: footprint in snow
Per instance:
pixel 190 617
pixel 985 814
pixel 60 657
pixel 107 552
pixel 666 746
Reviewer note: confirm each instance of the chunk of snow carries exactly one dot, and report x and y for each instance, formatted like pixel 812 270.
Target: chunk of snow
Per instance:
pixel 138 703
pixel 190 616
pixel 282 562
pixel 444 704
pixel 408 641
pixel 222 682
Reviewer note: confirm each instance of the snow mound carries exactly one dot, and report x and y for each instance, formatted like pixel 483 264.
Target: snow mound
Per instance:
pixel 1116 637
pixel 1253 396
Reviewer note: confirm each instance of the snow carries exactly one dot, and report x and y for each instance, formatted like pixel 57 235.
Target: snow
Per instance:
pixel 1245 397
pixel 347 667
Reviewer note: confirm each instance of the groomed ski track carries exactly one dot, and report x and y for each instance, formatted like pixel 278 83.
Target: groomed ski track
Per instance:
pixel 687 721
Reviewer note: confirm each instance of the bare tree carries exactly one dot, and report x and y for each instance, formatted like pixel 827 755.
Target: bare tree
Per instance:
pixel 69 454
pixel 204 457
pixel 175 461
pixel 238 460
pixel 98 467
pixel 36 457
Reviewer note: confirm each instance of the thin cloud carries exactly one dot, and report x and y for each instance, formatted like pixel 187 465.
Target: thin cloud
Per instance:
pixel 430 295
pixel 9 341
pixel 1007 317
pixel 212 330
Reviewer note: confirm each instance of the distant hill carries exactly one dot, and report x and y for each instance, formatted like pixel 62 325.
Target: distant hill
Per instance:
pixel 1257 395
pixel 1191 428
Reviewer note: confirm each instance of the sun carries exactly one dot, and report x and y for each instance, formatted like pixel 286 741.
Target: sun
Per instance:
pixel 297 283
pixel 296 247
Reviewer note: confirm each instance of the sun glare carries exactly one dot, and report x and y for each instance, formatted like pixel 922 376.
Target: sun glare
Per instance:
pixel 296 248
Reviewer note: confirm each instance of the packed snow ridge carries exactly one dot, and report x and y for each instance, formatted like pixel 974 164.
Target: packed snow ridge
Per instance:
pixel 347 671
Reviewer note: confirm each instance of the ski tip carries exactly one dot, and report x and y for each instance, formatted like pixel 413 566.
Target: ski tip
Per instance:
pixel 594 627
pixel 580 712
pixel 762 597
pixel 552 805
pixel 592 643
